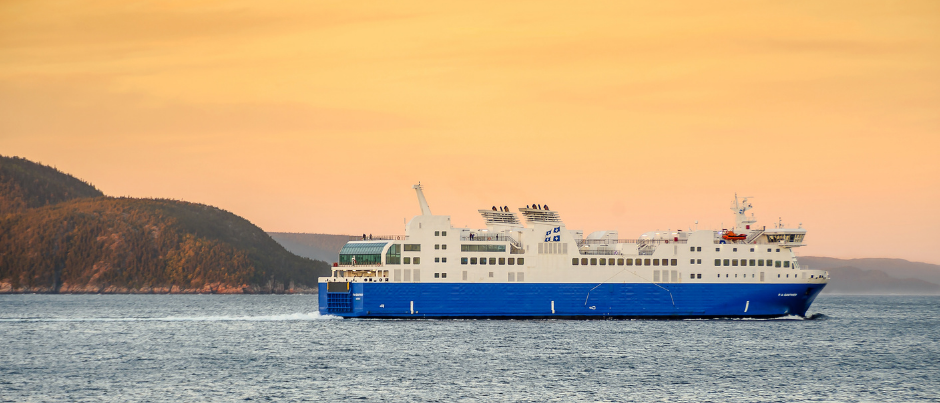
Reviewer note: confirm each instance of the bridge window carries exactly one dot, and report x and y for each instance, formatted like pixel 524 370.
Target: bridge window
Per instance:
pixel 411 247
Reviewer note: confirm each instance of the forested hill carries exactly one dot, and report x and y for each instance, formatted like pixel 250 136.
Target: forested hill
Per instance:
pixel 25 184
pixel 117 245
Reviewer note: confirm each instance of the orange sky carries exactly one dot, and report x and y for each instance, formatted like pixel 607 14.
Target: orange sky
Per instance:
pixel 636 116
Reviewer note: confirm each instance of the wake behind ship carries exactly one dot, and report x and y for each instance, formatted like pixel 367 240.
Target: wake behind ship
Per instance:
pixel 544 270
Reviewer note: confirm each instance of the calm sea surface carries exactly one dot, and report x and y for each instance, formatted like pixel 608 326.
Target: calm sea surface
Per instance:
pixel 277 348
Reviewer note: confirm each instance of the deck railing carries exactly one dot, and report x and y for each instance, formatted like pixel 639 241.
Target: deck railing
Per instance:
pixel 378 237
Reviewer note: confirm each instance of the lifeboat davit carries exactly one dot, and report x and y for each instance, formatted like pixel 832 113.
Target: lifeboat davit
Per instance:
pixel 731 236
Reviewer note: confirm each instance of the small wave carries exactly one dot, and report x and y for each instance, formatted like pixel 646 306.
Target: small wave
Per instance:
pixel 263 318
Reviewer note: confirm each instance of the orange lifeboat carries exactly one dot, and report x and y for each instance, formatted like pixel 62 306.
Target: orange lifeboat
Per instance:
pixel 731 236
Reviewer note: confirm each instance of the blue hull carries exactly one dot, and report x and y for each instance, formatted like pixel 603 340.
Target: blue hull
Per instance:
pixel 571 300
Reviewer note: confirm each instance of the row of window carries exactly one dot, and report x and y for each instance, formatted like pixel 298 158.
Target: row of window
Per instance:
pixel 621 261
pixel 439 247
pixel 493 260
pixel 440 233
pixel 699 249
pixel 408 260
pixel 752 262
pixel 482 248
pixel 512 276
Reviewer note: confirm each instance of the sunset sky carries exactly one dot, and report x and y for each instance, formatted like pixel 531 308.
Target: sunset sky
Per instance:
pixel 318 117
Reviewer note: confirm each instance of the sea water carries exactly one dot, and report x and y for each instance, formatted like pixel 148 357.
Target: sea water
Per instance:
pixel 278 348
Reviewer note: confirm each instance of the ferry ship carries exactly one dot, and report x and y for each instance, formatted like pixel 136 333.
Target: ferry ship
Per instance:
pixel 542 269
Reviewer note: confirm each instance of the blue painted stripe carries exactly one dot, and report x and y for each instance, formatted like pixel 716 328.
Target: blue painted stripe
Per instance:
pixel 572 300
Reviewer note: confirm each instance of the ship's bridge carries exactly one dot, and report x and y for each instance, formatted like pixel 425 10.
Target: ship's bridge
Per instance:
pixel 789 237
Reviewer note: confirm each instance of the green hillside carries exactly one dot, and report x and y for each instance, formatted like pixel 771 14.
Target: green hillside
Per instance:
pixel 103 244
pixel 25 184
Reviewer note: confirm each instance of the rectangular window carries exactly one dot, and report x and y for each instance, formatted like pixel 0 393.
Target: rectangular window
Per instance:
pixel 437 246
pixel 416 260
pixel 699 275
pixel 639 262
pixel 417 275
pixel 512 261
pixel 512 276
pixel 734 250
pixel 444 247
pixel 727 262
pixel 437 233
pixel 482 248
pixel 593 261
pixel 473 260
pixel 655 262
pixel 752 263
pixel 521 261
pixel 443 260
pixel 482 260
pixel 411 247
pixel 777 264
pixel 407 260
pixel 770 262
pixel 717 249
pixel 443 275
pixel 646 262
pixel 437 260
pixel 692 248
pixel 396 275
pixel 407 274
pixel 610 261
pixel 698 248
pixel 492 260
pixel 734 262
pixel 574 261
pixel 443 233
pixel 463 260
pixel 584 261
pixel 717 262
pixel 691 261
pixel 502 261
pixel 437 275
pixel 675 262
pixel 464 275
pixel 520 276
pixel 786 263
pixel 698 261
pixel 620 262
pixel 655 276
pixel 491 274
pixel 752 249
pixel 692 276
pixel 603 262
pixel 760 262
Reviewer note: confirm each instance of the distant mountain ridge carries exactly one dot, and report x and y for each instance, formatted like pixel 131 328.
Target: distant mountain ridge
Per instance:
pixel 876 275
pixel 323 247
pixel 59 234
